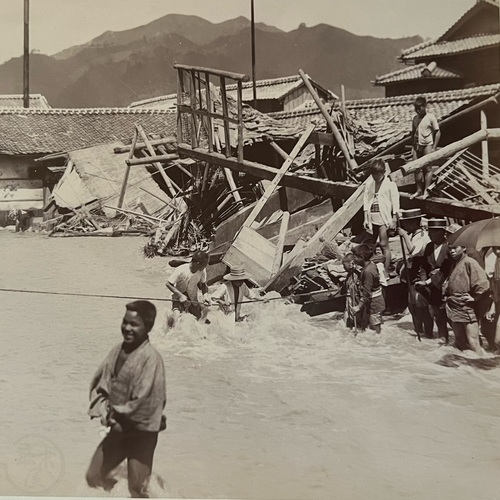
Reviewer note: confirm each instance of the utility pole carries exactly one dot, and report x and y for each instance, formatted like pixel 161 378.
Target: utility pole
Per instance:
pixel 26 59
pixel 253 54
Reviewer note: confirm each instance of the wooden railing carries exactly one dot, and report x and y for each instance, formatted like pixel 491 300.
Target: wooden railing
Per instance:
pixel 199 114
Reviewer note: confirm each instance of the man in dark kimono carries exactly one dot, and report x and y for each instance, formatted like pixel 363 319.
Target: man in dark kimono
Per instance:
pixel 128 395
pixel 436 264
pixel 466 286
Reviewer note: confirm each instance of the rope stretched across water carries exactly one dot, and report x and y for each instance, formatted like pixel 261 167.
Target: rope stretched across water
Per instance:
pixel 163 299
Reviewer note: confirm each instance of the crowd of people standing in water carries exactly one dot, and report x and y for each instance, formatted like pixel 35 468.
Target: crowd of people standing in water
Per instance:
pixel 445 287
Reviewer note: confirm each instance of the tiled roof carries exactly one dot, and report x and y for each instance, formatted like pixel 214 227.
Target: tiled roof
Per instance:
pixel 37 131
pixel 380 122
pixel 37 101
pixel 415 72
pixel 433 48
pixel 467 16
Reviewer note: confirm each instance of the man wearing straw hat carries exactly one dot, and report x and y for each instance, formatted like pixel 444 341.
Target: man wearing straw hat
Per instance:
pixel 415 239
pixel 437 264
pixel 233 291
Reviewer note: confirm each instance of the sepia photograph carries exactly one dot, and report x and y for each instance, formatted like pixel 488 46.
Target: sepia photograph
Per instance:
pixel 250 249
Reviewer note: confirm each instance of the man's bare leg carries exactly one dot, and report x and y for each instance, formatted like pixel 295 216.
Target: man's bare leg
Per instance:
pixel 419 181
pixel 427 174
pixel 472 332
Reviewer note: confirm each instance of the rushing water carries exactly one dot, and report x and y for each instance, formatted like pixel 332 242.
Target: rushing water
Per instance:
pixel 283 406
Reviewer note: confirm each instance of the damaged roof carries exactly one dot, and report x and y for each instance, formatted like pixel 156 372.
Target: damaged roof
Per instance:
pixel 42 131
pixel 379 123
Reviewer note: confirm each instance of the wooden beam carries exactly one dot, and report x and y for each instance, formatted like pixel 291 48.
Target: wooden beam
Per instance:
pixel 140 145
pixel 151 159
pixel 127 170
pixel 240 121
pixel 494 133
pixel 282 171
pixel 278 256
pixel 227 136
pixel 484 145
pixel 474 184
pixel 180 91
pixel 327 233
pixel 454 147
pixel 340 140
pixel 192 108
pixel 320 187
pixel 232 185
pixel 234 76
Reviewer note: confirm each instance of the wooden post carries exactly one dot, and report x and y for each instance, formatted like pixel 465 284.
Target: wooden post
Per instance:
pixel 484 146
pixel 338 137
pixel 194 126
pixel 252 27
pixel 232 185
pixel 274 183
pixel 180 90
pixel 240 121
pixel 26 58
pixel 280 243
pixel 127 171
pixel 157 164
pixel 208 99
pixel 225 115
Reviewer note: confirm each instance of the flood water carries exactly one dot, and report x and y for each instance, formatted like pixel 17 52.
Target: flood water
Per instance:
pixel 281 407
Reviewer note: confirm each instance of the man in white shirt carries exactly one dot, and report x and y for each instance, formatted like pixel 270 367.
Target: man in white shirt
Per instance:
pixel 425 137
pixel 184 284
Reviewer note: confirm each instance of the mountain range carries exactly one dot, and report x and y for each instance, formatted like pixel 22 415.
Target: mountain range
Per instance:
pixel 117 68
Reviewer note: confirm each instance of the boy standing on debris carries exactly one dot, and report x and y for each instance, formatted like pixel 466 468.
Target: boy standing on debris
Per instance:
pixel 184 284
pixel 426 135
pixel 371 300
pixel 380 206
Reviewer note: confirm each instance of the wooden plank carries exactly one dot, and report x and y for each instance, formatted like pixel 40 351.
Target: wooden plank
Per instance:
pixel 327 233
pixel 274 184
pixel 240 120
pixel 232 185
pixel 227 136
pixel 474 184
pixel 127 169
pixel 454 147
pixel 443 167
pixel 280 244
pixel 320 187
pixel 254 252
pixel 338 137
pixel 205 113
pixel 151 159
pixel 234 76
pixel 21 194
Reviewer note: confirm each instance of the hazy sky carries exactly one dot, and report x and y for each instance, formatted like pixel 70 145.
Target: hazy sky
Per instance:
pixel 58 24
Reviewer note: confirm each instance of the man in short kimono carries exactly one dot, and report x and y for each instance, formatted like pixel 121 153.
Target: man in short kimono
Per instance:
pixel 466 285
pixel 128 394
pixel 436 264
pixel 371 302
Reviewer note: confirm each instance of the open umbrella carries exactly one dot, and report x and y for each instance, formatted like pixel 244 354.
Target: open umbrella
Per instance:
pixel 478 235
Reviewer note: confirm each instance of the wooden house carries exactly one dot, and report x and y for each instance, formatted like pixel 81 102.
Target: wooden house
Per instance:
pixel 28 134
pixel 466 55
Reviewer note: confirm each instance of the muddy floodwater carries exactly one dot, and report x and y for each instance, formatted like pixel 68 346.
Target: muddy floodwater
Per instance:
pixel 281 407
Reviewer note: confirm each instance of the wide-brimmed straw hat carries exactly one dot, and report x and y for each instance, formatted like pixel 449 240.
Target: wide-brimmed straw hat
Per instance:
pixel 413 213
pixel 237 273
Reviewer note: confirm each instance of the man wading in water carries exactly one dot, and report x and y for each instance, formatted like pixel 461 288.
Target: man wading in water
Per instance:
pixel 128 394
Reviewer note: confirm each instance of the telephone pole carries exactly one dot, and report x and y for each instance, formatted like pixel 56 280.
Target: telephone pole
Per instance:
pixel 26 58
pixel 253 54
